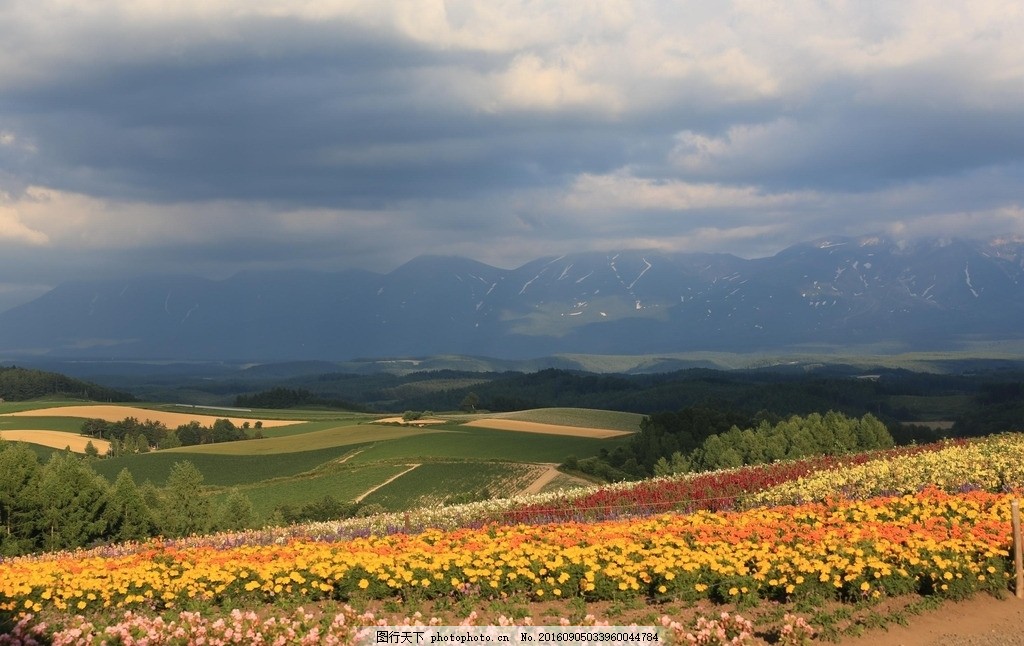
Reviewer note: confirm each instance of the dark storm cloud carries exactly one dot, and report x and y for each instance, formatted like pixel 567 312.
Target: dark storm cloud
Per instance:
pixel 344 130
pixel 219 137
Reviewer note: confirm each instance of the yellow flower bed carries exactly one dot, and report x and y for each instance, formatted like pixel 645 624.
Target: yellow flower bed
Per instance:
pixel 931 541
pixel 993 464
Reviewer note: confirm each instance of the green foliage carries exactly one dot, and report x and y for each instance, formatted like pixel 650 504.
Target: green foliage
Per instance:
pixel 446 483
pixel 470 402
pixel 19 497
pixel 221 470
pixel 236 513
pixel 793 438
pixel 20 384
pixel 128 435
pixel 998 407
pixel 291 398
pixel 73 500
pixel 309 437
pixel 186 510
pixel 485 444
pixel 127 515
pixel 697 439
pixel 290 496
pixel 676 464
pixel 222 430
pixel 663 434
pixel 322 509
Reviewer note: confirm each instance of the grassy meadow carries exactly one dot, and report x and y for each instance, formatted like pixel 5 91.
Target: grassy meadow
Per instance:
pixel 349 456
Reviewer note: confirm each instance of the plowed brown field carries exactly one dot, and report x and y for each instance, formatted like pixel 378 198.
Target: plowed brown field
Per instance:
pixel 171 419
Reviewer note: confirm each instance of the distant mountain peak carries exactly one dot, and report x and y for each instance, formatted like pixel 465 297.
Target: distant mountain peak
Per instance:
pixel 874 289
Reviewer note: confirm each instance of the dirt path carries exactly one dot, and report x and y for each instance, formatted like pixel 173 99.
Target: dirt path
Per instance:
pixel 981 621
pixel 349 456
pixel 366 493
pixel 543 479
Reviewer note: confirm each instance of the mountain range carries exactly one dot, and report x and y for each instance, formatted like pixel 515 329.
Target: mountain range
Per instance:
pixel 922 295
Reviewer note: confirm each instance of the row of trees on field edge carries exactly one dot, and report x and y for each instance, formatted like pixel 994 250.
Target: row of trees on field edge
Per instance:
pixel 705 439
pixel 129 435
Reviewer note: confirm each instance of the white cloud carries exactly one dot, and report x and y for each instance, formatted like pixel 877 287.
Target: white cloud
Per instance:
pixel 14 142
pixel 624 192
pixel 12 226
pixel 532 83
pixel 72 220
pixel 708 110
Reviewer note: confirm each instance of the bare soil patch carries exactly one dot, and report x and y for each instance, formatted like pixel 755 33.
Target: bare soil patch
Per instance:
pixel 55 439
pixel 979 621
pixel 549 429
pixel 167 418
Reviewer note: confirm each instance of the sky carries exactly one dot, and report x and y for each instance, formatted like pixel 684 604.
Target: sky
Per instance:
pixel 207 137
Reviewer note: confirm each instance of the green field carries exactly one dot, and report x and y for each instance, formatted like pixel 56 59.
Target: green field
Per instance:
pixel 220 470
pixel 345 456
pixel 341 483
pixel 486 444
pixel 17 407
pixel 67 424
pixel 345 434
pixel 434 483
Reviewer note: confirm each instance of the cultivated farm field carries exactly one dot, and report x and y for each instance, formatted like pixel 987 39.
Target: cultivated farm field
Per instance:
pixel 347 456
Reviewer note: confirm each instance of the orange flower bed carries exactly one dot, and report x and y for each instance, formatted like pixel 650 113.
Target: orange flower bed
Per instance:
pixel 929 542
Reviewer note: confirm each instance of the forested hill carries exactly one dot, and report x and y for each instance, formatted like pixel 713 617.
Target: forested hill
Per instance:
pixel 20 384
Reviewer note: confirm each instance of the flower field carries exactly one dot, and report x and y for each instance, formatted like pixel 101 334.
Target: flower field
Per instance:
pixel 942 529
pixel 716 490
pixel 995 464
pixel 931 541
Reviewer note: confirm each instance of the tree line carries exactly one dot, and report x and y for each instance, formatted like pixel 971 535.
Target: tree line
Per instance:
pixel 291 398
pixel 65 504
pixel 22 384
pixel 706 439
pixel 130 435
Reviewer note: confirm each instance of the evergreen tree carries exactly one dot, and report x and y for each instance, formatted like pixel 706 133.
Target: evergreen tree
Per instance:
pixel 186 508
pixel 191 434
pixel 127 515
pixel 237 512
pixel 677 464
pixel 19 498
pixel 154 499
pixel 169 441
pixel 72 502
pixel 872 433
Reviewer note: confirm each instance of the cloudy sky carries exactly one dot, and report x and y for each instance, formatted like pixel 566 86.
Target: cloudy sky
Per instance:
pixel 212 136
